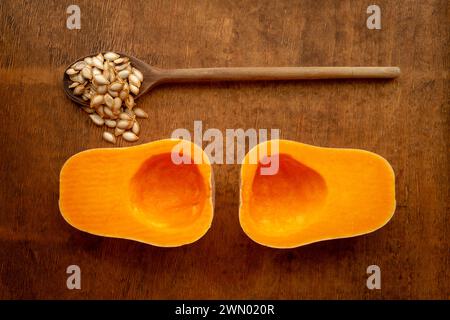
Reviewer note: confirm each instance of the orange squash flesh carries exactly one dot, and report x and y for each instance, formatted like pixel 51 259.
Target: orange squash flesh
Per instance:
pixel 317 194
pixel 138 193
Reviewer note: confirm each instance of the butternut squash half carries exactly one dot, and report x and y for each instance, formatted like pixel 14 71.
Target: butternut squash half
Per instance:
pixel 316 193
pixel 139 193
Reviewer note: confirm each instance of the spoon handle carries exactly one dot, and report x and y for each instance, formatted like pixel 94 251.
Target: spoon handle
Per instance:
pixel 276 73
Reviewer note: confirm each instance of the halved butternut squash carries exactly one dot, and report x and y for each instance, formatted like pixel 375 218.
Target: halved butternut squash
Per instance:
pixel 316 193
pixel 139 193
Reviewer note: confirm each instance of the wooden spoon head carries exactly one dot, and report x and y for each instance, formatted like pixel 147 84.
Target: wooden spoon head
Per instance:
pixel 151 77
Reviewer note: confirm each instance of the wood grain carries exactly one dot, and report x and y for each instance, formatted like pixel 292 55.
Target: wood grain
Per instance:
pixel 405 120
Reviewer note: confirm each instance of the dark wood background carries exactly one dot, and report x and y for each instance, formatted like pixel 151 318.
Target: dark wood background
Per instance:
pixel 406 121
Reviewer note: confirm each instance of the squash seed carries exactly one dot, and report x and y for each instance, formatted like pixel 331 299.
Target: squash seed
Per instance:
pixel 138 74
pixel 86 73
pixel 140 113
pixel 100 57
pixel 116 86
pixel 78 90
pixel 136 128
pixel 130 136
pixel 96 71
pixel 123 94
pixel 133 80
pixel 110 123
pixel 112 76
pixel 113 94
pixel 71 72
pixel 102 89
pixel 97 119
pixel 109 137
pixel 100 111
pixel 97 100
pixel 79 65
pixel 116 105
pixel 121 67
pixel 134 90
pixel 125 116
pixel 129 102
pixel 76 78
pixel 124 74
pixel 121 60
pixel 110 56
pixel 108 112
pixel 109 101
pixel 101 79
pixel 106 73
pixel 124 124
pixel 97 63
pixel 118 131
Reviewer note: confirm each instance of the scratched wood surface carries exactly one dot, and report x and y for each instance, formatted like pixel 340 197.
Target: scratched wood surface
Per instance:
pixel 406 121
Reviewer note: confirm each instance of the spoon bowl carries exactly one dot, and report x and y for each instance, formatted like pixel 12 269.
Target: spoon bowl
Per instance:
pixel 151 75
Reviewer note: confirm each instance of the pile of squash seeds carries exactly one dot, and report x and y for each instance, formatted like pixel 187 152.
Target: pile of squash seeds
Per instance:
pixel 110 83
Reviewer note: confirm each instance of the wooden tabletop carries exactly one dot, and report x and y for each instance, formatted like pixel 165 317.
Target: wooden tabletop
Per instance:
pixel 404 120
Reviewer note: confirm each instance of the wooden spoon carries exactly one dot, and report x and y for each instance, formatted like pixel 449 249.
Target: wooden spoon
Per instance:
pixel 154 76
